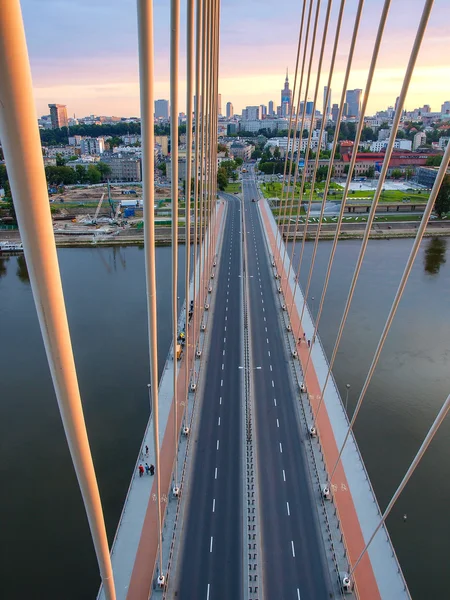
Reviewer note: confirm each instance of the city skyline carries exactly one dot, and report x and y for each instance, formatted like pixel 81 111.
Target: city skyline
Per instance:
pixel 102 78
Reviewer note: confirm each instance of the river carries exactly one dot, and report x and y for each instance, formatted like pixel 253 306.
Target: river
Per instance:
pixel 46 551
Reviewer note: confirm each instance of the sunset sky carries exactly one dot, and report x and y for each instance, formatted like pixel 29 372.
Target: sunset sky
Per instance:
pixel 84 53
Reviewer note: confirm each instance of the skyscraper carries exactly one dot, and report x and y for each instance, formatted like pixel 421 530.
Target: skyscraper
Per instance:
pixel 326 109
pixel 262 111
pixel 335 113
pixel 58 115
pixel 271 110
pixel 219 105
pixel 353 101
pixel 162 109
pixel 230 110
pixel 286 94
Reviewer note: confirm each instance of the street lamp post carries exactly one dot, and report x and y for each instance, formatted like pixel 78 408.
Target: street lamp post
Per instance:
pixel 346 396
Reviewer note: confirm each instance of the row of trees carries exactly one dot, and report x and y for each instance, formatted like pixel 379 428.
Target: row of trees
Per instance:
pixel 227 171
pixel 63 175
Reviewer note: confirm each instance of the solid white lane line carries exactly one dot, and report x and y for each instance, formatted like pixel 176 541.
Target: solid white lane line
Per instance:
pixel 293 551
pixel 288 511
pixel 275 401
pixel 278 422
pixel 281 448
pixel 217 446
pixel 218 422
pixel 214 505
pixel 215 474
pixel 284 476
pixel 211 544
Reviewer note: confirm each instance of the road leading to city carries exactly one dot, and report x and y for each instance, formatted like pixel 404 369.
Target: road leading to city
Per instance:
pixel 211 560
pixel 293 555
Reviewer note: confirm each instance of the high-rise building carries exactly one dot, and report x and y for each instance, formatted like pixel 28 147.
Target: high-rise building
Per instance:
pixel 162 109
pixel 219 105
pixel 262 111
pixel 335 113
pixel 445 108
pixel 230 110
pixel 353 101
pixel 286 94
pixel 309 107
pixel 271 110
pixel 419 139
pixel 250 113
pixel 326 109
pixel 58 115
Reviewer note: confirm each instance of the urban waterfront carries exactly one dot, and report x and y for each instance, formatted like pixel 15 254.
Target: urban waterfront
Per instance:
pixel 45 538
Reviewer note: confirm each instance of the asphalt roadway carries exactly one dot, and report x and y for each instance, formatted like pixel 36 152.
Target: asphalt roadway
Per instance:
pixel 211 556
pixel 293 555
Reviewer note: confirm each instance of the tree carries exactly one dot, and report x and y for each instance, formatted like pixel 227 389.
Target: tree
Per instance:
pixel 80 173
pixel 346 169
pixel 104 170
pixel 442 202
pixel 222 178
pixel 276 153
pixel 222 148
pixel 93 175
pixel 434 161
pixel 370 172
pixel 60 162
pixel 163 168
pixel 396 174
pixel 238 161
pixel 256 154
pixel 114 141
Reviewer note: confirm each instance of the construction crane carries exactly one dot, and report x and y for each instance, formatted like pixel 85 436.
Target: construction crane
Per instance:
pixel 94 220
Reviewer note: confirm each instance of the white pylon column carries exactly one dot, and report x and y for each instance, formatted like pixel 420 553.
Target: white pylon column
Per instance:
pixel 22 149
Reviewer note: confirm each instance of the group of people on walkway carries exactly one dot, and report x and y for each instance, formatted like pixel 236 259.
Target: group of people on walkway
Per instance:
pixel 149 469
pixel 303 339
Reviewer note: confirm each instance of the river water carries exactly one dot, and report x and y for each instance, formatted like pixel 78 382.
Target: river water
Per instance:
pixel 46 550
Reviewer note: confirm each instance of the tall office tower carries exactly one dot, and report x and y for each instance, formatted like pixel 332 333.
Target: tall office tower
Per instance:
pixel 162 109
pixel 335 113
pixel 326 109
pixel 230 110
pixel 445 108
pixel 286 94
pixel 219 105
pixel 271 110
pixel 58 115
pixel 353 101
pixel 251 113
pixel 309 107
pixel 262 111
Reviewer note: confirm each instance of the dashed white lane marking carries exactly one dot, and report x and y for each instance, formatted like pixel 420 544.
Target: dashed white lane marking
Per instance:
pixel 268 352
pixel 288 511
pixel 267 340
pixel 275 401
pixel 262 300
pixel 265 329
pixel 218 422
pixel 284 476
pixel 225 328
pixel 278 422
pixel 217 445
pixel 214 505
pixel 273 385
pixel 281 448
pixel 223 352
pixel 211 544
pixel 226 318
pixel 298 594
pixel 215 474
pixel 226 307
pixel 264 310
pixel 264 319
pixel 220 400
pixel 224 340
pixel 270 367
pixel 221 383
pixel 293 550
pixel 207 593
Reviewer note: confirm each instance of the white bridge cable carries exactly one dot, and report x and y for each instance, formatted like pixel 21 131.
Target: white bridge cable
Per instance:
pixel 427 441
pixel 187 226
pixel 146 78
pixel 197 230
pixel 375 52
pixel 390 146
pixel 294 89
pixel 297 114
pixel 307 152
pixel 335 141
pixel 23 156
pixel 174 48
pixel 398 296
pixel 200 102
pixel 305 103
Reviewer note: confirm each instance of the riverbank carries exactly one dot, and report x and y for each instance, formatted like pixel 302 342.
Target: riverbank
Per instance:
pixel 349 231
